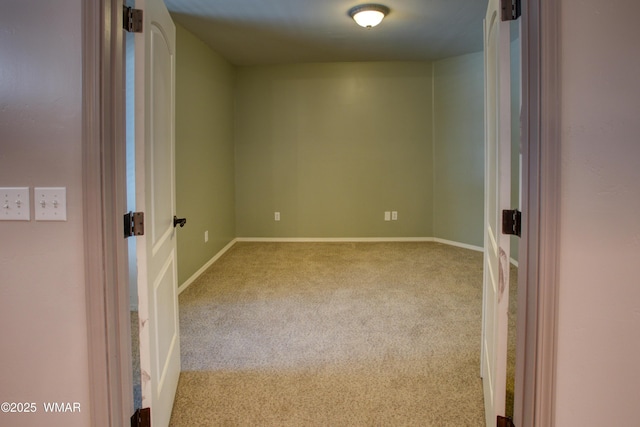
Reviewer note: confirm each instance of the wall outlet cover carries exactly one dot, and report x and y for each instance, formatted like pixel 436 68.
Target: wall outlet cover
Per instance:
pixel 14 204
pixel 50 203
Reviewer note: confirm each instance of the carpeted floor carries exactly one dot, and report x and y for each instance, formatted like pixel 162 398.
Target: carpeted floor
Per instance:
pixel 511 340
pixel 135 360
pixel 340 334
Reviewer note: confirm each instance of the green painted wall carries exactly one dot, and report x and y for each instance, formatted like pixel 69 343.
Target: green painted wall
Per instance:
pixel 332 146
pixel 204 152
pixel 458 105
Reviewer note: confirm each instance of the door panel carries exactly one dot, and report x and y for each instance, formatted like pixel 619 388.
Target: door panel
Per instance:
pixel 497 198
pixel 155 196
pixel 165 315
pixel 162 160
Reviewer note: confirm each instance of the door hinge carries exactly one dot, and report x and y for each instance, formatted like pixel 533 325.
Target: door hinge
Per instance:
pixel 512 222
pixel 511 9
pixel 133 224
pixel 132 19
pixel 141 418
pixel 505 422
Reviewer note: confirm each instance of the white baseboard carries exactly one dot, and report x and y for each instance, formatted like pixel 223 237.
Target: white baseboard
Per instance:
pixel 458 244
pixel 202 269
pixel 333 239
pixel 359 239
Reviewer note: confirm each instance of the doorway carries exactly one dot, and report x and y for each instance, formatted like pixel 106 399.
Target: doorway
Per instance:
pixel 537 196
pixel 131 207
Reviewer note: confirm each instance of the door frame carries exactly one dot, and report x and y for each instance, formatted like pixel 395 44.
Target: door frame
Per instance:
pixel 104 200
pixel 536 337
pixel 104 203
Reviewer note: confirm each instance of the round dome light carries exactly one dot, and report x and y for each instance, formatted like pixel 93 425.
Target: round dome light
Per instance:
pixel 368 15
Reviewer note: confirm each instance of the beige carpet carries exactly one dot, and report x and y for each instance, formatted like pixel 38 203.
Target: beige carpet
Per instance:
pixel 511 340
pixel 135 360
pixel 333 334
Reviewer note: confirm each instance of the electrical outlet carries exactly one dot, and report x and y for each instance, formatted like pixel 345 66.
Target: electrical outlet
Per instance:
pixel 387 216
pixel 14 204
pixel 394 215
pixel 276 216
pixel 206 236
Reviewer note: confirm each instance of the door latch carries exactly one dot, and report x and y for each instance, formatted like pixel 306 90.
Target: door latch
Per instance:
pixel 179 221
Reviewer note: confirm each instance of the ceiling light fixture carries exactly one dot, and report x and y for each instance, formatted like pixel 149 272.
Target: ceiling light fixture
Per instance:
pixel 368 15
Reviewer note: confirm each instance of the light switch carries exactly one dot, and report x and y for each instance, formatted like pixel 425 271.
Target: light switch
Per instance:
pixel 50 203
pixel 14 204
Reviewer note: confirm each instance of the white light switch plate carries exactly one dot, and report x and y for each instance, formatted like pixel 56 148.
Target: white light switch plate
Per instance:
pixel 50 203
pixel 14 204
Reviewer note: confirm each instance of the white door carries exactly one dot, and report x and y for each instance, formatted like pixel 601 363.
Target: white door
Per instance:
pixel 497 198
pixel 155 196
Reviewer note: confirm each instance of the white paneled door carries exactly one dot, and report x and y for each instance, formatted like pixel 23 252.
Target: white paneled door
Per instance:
pixel 155 196
pixel 497 198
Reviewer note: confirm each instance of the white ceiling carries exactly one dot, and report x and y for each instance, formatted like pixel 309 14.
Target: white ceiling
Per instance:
pixel 252 32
